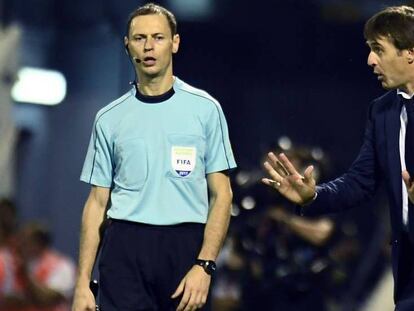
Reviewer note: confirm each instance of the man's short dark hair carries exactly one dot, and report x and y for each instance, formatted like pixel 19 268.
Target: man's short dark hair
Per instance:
pixel 153 9
pixel 39 233
pixel 8 216
pixel 7 204
pixel 395 23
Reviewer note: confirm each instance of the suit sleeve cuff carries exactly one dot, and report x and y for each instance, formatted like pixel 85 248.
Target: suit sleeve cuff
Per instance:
pixel 300 210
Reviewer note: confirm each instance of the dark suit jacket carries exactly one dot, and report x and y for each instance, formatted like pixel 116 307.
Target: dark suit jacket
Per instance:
pixel 378 162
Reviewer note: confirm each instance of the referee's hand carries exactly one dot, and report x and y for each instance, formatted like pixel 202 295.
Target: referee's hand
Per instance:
pixel 194 289
pixel 83 299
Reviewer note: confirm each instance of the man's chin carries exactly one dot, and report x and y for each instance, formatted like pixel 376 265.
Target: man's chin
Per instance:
pixel 151 73
pixel 386 86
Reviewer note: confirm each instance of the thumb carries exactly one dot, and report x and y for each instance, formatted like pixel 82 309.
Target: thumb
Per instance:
pixel 406 178
pixel 308 174
pixel 179 289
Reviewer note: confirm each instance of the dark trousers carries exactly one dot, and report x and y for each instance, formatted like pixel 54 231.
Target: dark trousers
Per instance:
pixel 141 265
pixel 406 275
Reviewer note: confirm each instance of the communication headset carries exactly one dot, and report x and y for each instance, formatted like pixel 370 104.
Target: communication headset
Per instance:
pixel 136 59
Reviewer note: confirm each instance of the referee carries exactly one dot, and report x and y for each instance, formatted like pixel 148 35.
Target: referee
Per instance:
pixel 157 164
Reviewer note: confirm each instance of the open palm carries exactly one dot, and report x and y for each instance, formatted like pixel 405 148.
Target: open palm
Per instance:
pixel 286 179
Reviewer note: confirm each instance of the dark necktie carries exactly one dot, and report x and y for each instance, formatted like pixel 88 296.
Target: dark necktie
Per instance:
pixel 409 153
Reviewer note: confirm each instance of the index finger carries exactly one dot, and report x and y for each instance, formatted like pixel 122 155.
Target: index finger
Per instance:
pixel 288 165
pixel 277 165
pixel 272 172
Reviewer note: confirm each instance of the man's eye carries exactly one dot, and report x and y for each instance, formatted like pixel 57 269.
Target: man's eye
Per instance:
pixel 377 50
pixel 159 38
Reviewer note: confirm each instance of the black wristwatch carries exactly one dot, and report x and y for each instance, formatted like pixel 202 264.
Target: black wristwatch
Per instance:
pixel 209 266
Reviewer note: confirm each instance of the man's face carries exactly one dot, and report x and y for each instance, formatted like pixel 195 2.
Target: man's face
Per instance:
pixel 7 220
pixel 391 65
pixel 150 40
pixel 28 246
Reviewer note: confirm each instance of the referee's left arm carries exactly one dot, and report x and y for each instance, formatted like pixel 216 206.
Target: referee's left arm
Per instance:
pixel 219 217
pixel 195 285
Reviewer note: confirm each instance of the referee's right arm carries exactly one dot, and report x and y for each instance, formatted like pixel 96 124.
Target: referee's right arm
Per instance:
pixel 92 218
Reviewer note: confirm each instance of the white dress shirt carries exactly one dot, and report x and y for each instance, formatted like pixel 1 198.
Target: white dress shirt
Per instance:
pixel 403 121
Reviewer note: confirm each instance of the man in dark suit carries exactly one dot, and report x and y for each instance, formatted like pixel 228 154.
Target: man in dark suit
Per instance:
pixel 387 153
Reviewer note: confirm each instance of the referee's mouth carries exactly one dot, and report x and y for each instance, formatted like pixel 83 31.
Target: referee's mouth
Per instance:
pixel 149 61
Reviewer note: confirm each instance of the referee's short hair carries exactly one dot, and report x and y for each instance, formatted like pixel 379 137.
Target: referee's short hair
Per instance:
pixel 153 9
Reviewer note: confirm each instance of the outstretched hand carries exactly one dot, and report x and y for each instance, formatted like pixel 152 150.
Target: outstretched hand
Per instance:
pixel 286 179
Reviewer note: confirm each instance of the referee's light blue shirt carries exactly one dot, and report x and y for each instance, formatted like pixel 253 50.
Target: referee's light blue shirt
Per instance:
pixel 155 156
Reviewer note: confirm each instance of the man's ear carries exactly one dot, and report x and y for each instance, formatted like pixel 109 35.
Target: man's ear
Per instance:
pixel 126 45
pixel 410 55
pixel 176 43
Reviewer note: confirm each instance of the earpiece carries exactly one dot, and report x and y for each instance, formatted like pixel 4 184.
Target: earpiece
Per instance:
pixel 136 59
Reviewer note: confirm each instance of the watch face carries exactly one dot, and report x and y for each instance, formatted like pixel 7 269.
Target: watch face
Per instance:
pixel 210 266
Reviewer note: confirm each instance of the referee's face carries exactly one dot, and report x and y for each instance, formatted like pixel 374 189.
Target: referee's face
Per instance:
pixel 151 45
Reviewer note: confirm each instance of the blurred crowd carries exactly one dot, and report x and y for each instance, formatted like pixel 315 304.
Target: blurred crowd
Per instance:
pixel 274 259
pixel 33 276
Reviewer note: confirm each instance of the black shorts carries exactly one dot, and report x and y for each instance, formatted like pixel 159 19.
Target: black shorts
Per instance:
pixel 141 265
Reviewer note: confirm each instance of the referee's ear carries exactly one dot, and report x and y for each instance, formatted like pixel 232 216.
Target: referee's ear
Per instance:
pixel 126 41
pixel 176 43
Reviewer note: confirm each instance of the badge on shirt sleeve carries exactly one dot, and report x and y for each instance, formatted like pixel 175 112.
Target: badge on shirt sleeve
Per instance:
pixel 183 159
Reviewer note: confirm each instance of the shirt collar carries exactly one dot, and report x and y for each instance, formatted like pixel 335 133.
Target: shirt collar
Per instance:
pixel 404 94
pixel 154 99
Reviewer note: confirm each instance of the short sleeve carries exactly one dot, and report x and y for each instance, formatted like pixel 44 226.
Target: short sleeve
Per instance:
pixel 98 166
pixel 218 155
